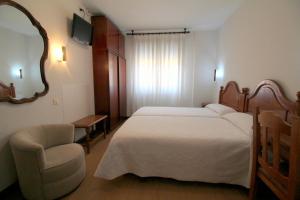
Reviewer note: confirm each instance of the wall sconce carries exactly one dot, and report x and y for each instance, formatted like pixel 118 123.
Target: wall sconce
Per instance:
pixel 60 54
pixel 20 74
pixel 17 72
pixel 215 75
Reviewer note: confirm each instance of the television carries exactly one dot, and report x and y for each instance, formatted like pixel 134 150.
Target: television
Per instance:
pixel 82 31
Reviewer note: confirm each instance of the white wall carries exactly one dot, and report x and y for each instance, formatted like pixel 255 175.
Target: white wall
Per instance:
pixel 13 56
pixel 206 44
pixel 71 80
pixel 34 52
pixel 262 41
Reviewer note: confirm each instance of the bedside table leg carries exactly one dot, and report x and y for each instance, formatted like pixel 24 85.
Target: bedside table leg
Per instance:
pixel 104 128
pixel 87 140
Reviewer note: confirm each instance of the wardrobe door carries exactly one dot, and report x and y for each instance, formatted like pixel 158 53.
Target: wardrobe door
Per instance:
pixel 101 81
pixel 112 37
pixel 122 86
pixel 121 45
pixel 99 32
pixel 113 89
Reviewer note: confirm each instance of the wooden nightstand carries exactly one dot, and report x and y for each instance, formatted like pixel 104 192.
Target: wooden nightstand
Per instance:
pixel 87 123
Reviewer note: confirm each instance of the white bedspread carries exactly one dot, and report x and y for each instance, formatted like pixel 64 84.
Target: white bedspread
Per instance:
pixel 175 111
pixel 183 148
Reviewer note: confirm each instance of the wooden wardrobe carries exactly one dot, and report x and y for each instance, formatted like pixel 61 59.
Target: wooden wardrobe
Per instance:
pixel 109 66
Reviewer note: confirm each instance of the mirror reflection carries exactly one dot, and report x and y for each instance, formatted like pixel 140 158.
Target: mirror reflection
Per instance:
pixel 21 47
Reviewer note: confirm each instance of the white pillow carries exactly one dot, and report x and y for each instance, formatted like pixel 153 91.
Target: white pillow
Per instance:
pixel 243 121
pixel 220 109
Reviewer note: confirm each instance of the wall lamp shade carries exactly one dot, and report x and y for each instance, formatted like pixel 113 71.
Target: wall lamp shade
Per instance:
pixel 60 54
pixel 17 72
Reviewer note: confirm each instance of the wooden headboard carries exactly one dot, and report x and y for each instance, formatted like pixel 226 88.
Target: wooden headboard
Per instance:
pixel 268 95
pixel 232 97
pixel 7 91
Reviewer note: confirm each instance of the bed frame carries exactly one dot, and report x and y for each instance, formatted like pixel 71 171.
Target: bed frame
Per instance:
pixel 232 96
pixel 7 91
pixel 268 95
pixel 283 145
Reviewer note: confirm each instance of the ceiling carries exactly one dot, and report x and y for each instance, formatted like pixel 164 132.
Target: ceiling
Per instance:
pixel 164 14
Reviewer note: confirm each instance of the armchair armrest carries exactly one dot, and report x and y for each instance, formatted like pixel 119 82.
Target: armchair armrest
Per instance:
pixel 58 134
pixel 24 149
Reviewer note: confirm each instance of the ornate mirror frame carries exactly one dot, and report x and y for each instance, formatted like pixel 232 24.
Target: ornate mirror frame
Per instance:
pixel 43 34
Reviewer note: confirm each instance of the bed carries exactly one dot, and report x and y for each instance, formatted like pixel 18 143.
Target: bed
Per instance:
pixel 230 99
pixel 206 149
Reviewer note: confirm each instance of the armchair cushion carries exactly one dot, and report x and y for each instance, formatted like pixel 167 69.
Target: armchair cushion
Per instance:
pixel 71 157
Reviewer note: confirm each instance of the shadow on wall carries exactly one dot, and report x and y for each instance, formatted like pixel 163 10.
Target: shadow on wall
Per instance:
pixel 6 154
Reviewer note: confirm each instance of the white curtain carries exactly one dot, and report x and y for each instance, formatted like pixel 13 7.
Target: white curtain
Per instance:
pixel 160 71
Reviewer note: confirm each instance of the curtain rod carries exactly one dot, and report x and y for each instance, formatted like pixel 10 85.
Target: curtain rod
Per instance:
pixel 185 31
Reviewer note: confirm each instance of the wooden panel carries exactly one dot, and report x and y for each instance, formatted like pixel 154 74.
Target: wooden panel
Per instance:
pixel 101 81
pixel 122 87
pixel 232 97
pixel 106 35
pixel 112 37
pixel 113 89
pixel 279 174
pixel 268 95
pixel 121 45
pixel 106 69
pixel 99 32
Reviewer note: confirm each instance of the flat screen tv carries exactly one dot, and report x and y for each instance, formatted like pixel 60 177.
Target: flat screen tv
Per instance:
pixel 82 30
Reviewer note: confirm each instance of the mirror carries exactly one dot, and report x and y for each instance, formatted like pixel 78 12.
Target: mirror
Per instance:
pixel 24 49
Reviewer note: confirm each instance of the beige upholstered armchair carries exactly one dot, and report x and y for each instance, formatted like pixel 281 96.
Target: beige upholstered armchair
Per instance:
pixel 49 164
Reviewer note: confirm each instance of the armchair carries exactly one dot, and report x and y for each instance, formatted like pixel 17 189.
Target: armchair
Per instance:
pixel 49 165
